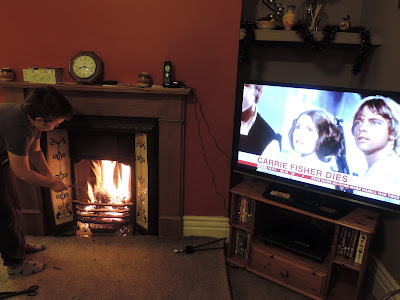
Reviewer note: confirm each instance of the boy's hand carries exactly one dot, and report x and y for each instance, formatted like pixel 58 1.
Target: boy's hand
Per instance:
pixel 58 186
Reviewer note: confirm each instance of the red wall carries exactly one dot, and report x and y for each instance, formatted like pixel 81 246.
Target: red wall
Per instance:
pixel 199 37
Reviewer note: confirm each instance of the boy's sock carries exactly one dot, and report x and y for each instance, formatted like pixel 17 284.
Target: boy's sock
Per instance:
pixel 26 268
pixel 34 248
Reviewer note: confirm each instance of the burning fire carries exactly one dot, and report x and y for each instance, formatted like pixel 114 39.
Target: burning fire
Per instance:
pixel 112 183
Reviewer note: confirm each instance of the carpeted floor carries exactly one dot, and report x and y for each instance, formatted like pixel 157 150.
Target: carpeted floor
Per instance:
pixel 133 267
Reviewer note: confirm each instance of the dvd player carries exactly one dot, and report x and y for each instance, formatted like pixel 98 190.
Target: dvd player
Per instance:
pixel 299 237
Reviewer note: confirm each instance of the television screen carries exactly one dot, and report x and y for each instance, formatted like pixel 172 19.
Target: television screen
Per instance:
pixel 338 141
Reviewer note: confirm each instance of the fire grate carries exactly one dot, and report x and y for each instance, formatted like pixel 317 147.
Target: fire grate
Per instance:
pixel 103 218
pixel 101 213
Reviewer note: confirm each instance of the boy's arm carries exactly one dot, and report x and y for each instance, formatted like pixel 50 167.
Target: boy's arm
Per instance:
pixel 37 158
pixel 20 166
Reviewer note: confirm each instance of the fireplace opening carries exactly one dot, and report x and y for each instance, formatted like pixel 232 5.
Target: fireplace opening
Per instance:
pixel 114 174
pixel 104 202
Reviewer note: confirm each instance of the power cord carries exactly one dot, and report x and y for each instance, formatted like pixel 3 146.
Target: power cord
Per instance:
pixel 191 249
pixel 202 145
pixel 390 294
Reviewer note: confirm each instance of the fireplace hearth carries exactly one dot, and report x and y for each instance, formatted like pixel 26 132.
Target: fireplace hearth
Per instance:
pixel 166 106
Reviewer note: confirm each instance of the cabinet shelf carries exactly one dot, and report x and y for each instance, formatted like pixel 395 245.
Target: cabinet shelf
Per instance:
pixel 359 219
pixel 346 262
pixel 243 226
pixel 343 285
pixel 344 38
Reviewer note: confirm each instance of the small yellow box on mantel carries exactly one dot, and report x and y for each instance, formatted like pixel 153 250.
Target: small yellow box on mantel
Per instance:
pixel 42 75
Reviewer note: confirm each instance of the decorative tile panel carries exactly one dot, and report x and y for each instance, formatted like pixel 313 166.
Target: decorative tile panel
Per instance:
pixel 58 148
pixel 142 179
pixel 60 166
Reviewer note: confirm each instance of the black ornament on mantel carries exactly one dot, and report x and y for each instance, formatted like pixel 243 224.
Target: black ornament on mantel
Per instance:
pixel 303 31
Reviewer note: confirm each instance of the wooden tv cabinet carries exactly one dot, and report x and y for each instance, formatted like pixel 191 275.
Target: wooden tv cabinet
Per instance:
pixel 338 276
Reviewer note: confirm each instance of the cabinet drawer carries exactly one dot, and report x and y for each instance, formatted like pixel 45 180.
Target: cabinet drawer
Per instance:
pixel 287 271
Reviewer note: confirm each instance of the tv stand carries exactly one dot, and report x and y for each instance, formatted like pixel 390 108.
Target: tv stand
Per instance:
pixel 254 244
pixel 325 206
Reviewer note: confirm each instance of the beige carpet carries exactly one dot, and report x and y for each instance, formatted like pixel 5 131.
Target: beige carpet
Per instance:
pixel 132 267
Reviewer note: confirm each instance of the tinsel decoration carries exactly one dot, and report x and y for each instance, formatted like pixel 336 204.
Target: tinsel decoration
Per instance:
pixel 365 48
pixel 329 36
pixel 248 41
pixel 303 31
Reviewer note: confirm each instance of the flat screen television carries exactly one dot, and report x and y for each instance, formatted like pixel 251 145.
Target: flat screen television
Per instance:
pixel 318 145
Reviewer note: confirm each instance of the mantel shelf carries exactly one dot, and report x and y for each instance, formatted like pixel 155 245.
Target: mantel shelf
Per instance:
pixel 346 38
pixel 101 88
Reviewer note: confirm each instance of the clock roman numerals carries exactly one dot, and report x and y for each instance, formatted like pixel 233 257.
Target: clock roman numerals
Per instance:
pixel 84 66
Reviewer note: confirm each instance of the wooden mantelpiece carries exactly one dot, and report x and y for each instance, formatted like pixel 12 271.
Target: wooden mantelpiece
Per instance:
pixel 166 105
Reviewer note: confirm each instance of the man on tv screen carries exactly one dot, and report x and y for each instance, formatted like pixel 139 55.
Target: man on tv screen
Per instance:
pixel 253 126
pixel 376 133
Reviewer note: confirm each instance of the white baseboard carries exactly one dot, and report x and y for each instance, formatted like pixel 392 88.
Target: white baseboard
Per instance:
pixel 217 227
pixel 382 282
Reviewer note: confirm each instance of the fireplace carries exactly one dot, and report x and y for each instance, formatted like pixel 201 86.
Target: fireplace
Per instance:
pixel 165 107
pixel 114 174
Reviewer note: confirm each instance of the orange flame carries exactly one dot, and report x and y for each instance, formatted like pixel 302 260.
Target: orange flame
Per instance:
pixel 112 182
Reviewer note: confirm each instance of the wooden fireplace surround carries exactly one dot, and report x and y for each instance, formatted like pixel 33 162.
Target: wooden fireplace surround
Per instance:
pixel 166 105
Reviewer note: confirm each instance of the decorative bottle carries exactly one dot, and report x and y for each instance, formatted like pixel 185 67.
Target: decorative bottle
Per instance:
pixel 289 17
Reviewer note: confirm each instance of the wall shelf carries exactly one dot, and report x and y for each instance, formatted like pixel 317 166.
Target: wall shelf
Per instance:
pixel 344 38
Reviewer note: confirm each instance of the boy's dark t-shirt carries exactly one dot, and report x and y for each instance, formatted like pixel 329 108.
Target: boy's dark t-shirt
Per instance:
pixel 16 131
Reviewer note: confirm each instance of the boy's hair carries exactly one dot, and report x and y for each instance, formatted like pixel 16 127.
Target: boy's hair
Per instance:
pixel 385 107
pixel 330 137
pixel 47 103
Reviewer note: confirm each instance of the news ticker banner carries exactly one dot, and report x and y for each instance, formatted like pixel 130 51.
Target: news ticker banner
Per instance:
pixel 315 175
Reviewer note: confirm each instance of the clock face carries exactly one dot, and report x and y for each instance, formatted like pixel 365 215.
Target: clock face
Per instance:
pixel 84 66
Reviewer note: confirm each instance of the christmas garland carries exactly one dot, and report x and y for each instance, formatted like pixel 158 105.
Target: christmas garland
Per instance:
pixel 302 30
pixel 247 41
